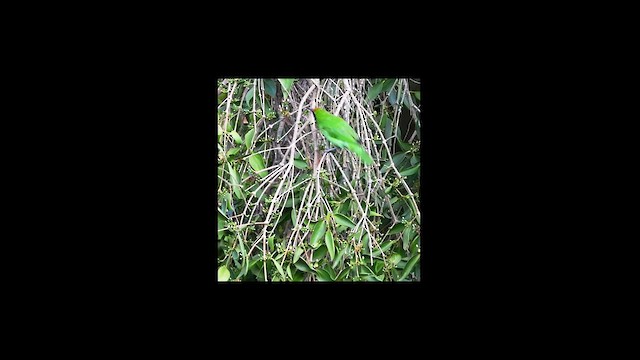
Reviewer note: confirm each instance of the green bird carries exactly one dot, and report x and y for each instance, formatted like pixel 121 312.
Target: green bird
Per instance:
pixel 339 133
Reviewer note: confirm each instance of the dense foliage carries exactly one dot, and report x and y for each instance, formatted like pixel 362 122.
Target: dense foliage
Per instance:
pixel 288 210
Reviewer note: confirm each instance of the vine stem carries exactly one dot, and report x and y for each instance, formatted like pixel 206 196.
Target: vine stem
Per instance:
pixel 392 165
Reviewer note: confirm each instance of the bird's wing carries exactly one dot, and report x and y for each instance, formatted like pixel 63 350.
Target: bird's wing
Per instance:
pixel 340 134
pixel 342 127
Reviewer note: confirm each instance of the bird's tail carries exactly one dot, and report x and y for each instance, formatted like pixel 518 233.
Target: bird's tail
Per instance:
pixel 362 153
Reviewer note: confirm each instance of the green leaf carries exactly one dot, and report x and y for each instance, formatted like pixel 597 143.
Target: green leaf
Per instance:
pixel 417 94
pixel 328 240
pixel 235 177
pixel 318 234
pixel 406 102
pixel 405 146
pixel 248 138
pixel 407 236
pixel 383 120
pixel 384 248
pixel 319 253
pixel 342 274
pixel 257 163
pixel 223 273
pixel 395 259
pixel 255 266
pixel 222 223
pixel 236 137
pixel 221 97
pixel 300 164
pixel 303 266
pixel 270 240
pixel 236 182
pixel 388 84
pixel 286 216
pixel 395 274
pixel 227 199
pixel 290 202
pixel 373 213
pixel 289 272
pixel 388 128
pixel 245 260
pixel 302 178
pixel 396 229
pixel 393 97
pixel 330 271
pixel 297 254
pixel 249 96
pixel 407 269
pixel 365 242
pixel 270 87
pixel 343 220
pixel 279 268
pixel 375 90
pixel 410 171
pixel 399 158
pixel 232 151
pixel 322 275
pixel 413 247
pixel 338 258
pixel 378 265
pixel 365 270
pixel 346 206
pixel 286 86
pixel 258 193
pixel 298 276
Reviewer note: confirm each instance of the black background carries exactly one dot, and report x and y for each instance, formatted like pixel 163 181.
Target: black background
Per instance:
pixel 146 208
